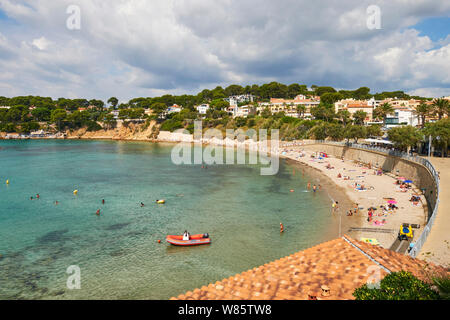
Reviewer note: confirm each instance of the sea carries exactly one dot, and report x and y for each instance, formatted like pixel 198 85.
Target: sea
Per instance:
pixel 67 251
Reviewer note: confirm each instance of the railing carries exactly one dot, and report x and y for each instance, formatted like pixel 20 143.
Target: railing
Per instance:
pixel 392 152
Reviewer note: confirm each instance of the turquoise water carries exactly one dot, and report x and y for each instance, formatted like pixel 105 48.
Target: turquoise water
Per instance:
pixel 117 252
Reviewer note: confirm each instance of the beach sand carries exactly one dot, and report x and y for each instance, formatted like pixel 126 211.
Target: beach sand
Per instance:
pixel 383 187
pixel 437 246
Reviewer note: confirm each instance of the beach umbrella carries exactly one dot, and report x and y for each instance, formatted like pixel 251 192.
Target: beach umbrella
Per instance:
pixel 401 178
pixel 408 181
pixel 392 201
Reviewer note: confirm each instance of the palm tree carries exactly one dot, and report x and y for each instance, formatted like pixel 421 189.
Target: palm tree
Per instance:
pixel 344 116
pixel 441 107
pixel 301 109
pixel 383 111
pixel 422 111
pixel 359 116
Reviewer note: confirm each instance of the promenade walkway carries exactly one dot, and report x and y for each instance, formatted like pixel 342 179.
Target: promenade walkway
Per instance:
pixel 437 247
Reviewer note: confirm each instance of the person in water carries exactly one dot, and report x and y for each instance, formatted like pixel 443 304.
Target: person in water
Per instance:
pixel 37 196
pixel 56 202
pixel 281 228
pixel 142 204
pixel 308 186
pixel 103 201
pixel 98 212
pixel 314 188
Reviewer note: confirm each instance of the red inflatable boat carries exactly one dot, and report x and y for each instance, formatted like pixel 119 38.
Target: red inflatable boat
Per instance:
pixel 194 240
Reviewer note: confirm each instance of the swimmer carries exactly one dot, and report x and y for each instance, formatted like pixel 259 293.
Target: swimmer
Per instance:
pixel 37 196
pixel 142 204
pixel 281 228
pixel 56 202
pixel 98 212
pixel 308 185
pixel 103 201
pixel 314 188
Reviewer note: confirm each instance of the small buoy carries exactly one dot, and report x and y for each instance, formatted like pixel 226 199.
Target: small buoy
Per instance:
pixel 159 241
pixel 160 201
pixel 75 192
pixel 292 190
pixel 7 181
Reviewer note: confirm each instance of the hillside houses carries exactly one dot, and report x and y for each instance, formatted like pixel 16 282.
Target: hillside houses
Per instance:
pixel 290 106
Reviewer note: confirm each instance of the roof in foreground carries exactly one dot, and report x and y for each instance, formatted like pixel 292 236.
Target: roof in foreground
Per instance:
pixel 331 270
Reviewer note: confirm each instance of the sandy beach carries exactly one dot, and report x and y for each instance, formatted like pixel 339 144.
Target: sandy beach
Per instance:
pixel 437 246
pixel 384 226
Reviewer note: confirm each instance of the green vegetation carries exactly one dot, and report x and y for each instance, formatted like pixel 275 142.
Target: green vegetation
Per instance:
pixel 29 113
pixel 443 285
pixel 398 286
pixel 405 137
pixel 440 134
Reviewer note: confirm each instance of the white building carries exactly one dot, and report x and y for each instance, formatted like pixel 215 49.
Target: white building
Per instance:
pixel 202 108
pixel 374 103
pixel 174 109
pixel 115 113
pixel 235 100
pixel 38 134
pixel 242 111
pixel 402 116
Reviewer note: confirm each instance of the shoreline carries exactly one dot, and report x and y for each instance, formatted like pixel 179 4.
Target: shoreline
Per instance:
pixel 346 199
pixel 383 187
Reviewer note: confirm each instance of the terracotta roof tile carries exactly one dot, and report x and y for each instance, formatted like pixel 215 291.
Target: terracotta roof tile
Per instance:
pixel 336 264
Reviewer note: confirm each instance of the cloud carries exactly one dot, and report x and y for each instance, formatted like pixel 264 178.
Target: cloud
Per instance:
pixel 41 43
pixel 132 48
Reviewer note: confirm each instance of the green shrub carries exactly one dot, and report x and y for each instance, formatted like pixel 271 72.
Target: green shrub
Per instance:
pixel 443 285
pixel 397 286
pixel 93 126
pixel 171 125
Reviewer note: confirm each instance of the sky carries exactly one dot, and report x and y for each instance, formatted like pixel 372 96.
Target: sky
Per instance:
pixel 147 48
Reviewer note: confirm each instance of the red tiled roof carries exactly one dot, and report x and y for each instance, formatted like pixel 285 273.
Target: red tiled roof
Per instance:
pixel 342 265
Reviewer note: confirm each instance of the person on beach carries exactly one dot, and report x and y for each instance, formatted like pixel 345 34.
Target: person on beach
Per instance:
pixel 356 208
pixel 349 213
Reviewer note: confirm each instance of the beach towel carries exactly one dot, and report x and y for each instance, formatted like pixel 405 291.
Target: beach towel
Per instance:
pixel 371 241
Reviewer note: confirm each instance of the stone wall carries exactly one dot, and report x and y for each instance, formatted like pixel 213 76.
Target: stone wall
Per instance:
pixel 420 175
